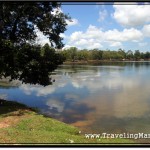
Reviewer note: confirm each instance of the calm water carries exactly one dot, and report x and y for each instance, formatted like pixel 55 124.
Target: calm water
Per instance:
pixel 112 98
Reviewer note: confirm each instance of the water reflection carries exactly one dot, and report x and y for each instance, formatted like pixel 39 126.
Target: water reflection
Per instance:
pixel 3 96
pixel 101 98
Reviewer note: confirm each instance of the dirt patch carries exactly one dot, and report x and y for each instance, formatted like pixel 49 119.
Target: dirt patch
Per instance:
pixel 8 121
pixel 81 123
pixel 4 125
pixel 13 119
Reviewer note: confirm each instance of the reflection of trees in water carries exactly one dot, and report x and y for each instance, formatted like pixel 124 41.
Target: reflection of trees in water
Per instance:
pixel 73 69
pixel 102 66
pixel 7 85
pixel 141 64
pixel 86 70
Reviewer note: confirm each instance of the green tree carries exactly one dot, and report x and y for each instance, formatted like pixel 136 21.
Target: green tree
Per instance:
pixel 137 54
pixel 129 55
pixel 115 55
pixel 73 53
pixel 142 55
pixel 20 57
pixel 82 55
pixel 147 55
pixel 122 53
pixel 106 55
pixel 65 53
pixel 96 54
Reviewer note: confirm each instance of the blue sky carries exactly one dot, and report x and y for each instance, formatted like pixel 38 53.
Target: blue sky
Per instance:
pixel 108 26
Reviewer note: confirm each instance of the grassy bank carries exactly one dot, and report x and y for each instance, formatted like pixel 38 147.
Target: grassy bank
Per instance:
pixel 20 124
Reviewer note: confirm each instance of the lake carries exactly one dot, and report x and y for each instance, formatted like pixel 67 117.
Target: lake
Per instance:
pixel 109 97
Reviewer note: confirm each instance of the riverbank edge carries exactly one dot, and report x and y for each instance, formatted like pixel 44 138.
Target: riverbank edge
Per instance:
pixel 92 62
pixel 20 124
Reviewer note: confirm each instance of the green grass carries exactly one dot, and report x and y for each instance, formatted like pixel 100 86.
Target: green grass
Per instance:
pixel 20 124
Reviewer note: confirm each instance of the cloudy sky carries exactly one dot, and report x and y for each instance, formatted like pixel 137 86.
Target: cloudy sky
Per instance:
pixel 108 26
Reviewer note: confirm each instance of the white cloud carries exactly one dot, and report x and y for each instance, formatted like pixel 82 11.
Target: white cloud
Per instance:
pixel 102 15
pixel 72 22
pixel 142 44
pixel 94 32
pixel 132 15
pixel 90 39
pixel 41 39
pixel 93 37
pixel 88 43
pixel 81 42
pixel 66 47
pixel 125 3
pixel 125 35
pixel 63 35
pixel 146 30
pixel 75 35
pixel 116 44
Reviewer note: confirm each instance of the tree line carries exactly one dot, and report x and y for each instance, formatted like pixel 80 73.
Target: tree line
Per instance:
pixel 73 54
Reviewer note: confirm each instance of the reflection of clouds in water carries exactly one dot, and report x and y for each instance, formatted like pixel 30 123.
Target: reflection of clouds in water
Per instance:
pixel 67 101
pixel 68 111
pixel 3 96
pixel 71 96
pixel 76 84
pixel 95 83
pixel 95 98
pixel 127 92
pixel 76 112
pixel 116 111
pixel 41 90
pixel 132 103
pixel 128 102
pixel 129 99
pixel 56 104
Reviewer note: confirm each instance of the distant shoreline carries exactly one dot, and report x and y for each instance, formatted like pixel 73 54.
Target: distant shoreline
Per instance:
pixel 101 61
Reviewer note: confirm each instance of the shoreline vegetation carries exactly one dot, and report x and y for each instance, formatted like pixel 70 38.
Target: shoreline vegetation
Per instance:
pixel 92 62
pixel 75 55
pixel 20 124
pixel 96 56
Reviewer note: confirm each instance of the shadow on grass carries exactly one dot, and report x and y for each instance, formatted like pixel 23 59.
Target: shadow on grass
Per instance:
pixel 7 108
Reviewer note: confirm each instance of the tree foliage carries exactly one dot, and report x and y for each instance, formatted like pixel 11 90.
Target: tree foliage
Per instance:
pixel 18 21
pixel 97 54
pixel 20 57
